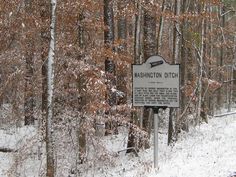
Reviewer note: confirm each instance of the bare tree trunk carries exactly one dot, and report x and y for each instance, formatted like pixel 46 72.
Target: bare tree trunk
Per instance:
pixel 183 71
pixel 137 44
pixel 211 99
pixel 1 82
pixel 109 40
pixel 200 87
pixel 138 57
pixel 109 63
pixel 29 56
pixel 161 24
pixel 80 132
pixel 45 40
pixel 16 116
pixel 230 87
pixel 220 98
pixel 122 50
pixel 176 40
pixel 150 44
pixel 136 118
pixel 176 35
pixel 44 43
pixel 50 87
pixel 234 72
pixel 122 26
pixel 29 93
pixel 149 35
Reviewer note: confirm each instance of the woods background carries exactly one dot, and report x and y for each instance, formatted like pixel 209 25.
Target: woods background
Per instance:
pixel 95 44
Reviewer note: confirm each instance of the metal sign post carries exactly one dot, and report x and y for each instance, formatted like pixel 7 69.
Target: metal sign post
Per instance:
pixel 156 85
pixel 156 130
pixel 156 127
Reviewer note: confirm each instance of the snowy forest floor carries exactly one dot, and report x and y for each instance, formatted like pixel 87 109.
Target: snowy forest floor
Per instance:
pixel 207 150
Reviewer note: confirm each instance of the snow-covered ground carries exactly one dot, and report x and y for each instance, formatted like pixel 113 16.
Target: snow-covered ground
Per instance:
pixel 18 143
pixel 205 151
pixel 208 150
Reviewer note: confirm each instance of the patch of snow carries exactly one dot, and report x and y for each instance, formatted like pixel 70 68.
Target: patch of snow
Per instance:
pixel 14 138
pixel 208 150
pixel 20 141
pixel 6 160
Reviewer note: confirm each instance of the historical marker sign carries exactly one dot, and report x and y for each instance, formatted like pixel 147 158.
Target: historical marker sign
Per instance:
pixel 156 83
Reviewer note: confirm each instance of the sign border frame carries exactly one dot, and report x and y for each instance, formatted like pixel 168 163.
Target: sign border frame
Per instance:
pixel 133 82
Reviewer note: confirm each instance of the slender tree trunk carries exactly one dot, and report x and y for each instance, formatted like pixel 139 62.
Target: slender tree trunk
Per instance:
pixel 234 72
pixel 149 35
pixel 44 43
pixel 29 93
pixel 109 63
pixel 211 99
pixel 122 49
pixel 137 44
pixel 138 57
pixel 176 35
pixel 176 40
pixel 200 87
pixel 81 133
pixel 1 82
pixel 150 44
pixel 109 40
pixel 122 26
pixel 220 98
pixel 132 139
pixel 230 87
pixel 15 103
pixel 45 40
pixel 160 30
pixel 29 57
pixel 50 87
pixel 183 58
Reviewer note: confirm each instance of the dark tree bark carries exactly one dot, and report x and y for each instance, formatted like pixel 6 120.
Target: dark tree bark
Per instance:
pixel 44 7
pixel 109 40
pixel 183 58
pixel 183 72
pixel 137 41
pixel 29 57
pixel 122 50
pixel 45 39
pixel 210 97
pixel 220 98
pixel 202 49
pixel 132 139
pixel 138 51
pixel 1 83
pixel 234 85
pixel 15 101
pixel 150 45
pixel 29 93
pixel 160 30
pixel 175 56
pixel 122 26
pixel 234 73
pixel 149 35
pixel 81 132
pixel 109 63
